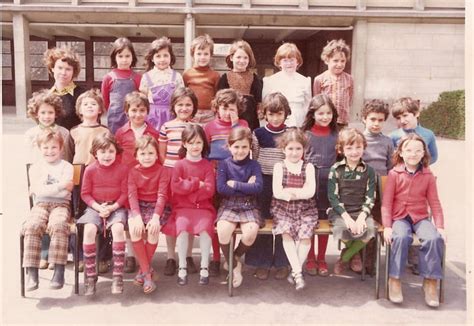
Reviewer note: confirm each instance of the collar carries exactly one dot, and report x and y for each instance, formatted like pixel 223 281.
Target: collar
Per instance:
pixel 241 162
pixel 343 162
pixel 320 130
pixel 198 68
pixel 278 129
pixel 224 123
pixel 400 168
pixel 371 134
pixel 69 89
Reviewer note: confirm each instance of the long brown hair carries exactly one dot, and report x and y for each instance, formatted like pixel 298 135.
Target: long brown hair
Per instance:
pixel 316 102
pixel 397 158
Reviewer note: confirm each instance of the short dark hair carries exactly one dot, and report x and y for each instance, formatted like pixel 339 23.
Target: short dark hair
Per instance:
pixel 119 45
pixel 190 132
pixel 103 141
pixel 275 102
pixel 375 106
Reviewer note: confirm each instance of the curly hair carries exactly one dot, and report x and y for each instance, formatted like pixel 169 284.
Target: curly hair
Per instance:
pixel 65 54
pixel 333 47
pixel 93 93
pixel 156 46
pixel 314 105
pixel 243 45
pixel 44 96
pixel 119 45
pixel 375 106
pixel 227 96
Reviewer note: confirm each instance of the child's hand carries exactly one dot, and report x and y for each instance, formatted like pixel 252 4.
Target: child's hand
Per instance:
pixel 231 183
pixel 387 235
pixel 349 222
pixel 153 226
pixel 442 232
pixel 68 185
pixel 234 118
pixel 252 179
pixel 361 225
pixel 103 211
pixel 136 226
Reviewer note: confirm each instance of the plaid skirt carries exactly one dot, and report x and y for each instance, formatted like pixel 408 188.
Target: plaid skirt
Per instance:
pixel 298 218
pixel 147 209
pixel 240 210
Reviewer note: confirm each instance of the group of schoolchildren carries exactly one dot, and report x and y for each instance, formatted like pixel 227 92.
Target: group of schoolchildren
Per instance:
pixel 185 156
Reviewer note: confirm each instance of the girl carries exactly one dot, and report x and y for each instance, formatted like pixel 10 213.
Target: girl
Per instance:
pixel 147 193
pixel 294 86
pixel 294 210
pixel 119 82
pixel 104 190
pixel 239 180
pixel 160 80
pixel 240 60
pixel 64 66
pixel 184 105
pixel 193 186
pixel 410 189
pixel 321 130
pixel 351 192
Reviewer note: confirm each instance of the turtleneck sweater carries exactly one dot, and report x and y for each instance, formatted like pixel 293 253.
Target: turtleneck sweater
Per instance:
pixel 378 153
pixel 203 81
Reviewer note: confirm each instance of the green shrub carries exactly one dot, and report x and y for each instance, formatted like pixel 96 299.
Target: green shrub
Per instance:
pixel 446 116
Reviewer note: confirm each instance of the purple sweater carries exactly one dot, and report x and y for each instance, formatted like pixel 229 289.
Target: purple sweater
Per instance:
pixel 239 171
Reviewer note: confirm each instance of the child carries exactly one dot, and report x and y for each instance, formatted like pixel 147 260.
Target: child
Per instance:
pixel 321 130
pixel 201 78
pixel 51 185
pixel 147 194
pixel 334 82
pixel 63 65
pixel 406 111
pixel 44 108
pixel 193 186
pixel 89 107
pixel 264 150
pixel 119 82
pixel 184 105
pixel 239 180
pixel 240 60
pixel 410 188
pixel 136 109
pixel 351 192
pixel 294 86
pixel 104 190
pixel 160 80
pixel 293 206
pixel 228 105
pixel 377 154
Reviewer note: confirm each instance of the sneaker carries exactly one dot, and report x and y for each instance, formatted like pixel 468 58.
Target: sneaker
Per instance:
pixel 281 273
pixel 192 269
pixel 311 268
pixel 300 284
pixel 356 263
pixel 431 292
pixel 340 267
pixel 170 268
pixel 117 285
pixel 90 285
pixel 214 268
pixel 103 267
pixel 237 275
pixel 43 264
pixel 395 290
pixel 130 265
pixel 262 273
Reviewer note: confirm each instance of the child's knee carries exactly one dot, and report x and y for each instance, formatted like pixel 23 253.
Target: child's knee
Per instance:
pixel 118 230
pixel 33 227
pixel 90 230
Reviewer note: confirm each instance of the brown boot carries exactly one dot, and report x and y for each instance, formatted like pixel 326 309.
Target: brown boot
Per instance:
pixel 431 292
pixel 395 290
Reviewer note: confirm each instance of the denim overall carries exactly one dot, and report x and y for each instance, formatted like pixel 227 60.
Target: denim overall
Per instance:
pixel 161 98
pixel 116 116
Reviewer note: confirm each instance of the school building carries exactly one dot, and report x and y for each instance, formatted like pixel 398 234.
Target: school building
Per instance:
pixel 399 47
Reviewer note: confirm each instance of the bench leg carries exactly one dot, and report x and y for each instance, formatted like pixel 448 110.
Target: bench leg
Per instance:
pixel 76 263
pixel 441 282
pixel 230 263
pixel 387 262
pixel 377 265
pixel 362 277
pixel 22 269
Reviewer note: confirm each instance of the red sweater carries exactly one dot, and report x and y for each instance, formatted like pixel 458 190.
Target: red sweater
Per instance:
pixel 108 81
pixel 148 184
pixel 185 185
pixel 406 194
pixel 125 137
pixel 105 184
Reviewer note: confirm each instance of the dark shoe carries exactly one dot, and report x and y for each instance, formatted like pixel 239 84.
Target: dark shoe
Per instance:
pixel 214 268
pixel 43 264
pixel 262 273
pixel 57 282
pixel 103 267
pixel 395 290
pixel 90 286
pixel 192 269
pixel 322 268
pixel 170 268
pixel 33 279
pixel 282 273
pixel 311 268
pixel 130 265
pixel 117 285
pixel 182 280
pixel 203 280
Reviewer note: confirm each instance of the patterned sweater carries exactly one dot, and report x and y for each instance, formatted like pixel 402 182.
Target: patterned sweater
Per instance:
pixel 264 148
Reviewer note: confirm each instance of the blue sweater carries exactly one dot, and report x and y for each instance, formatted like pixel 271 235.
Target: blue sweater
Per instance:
pixel 427 135
pixel 239 171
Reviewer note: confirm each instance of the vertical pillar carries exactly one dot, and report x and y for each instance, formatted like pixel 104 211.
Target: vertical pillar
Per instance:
pixel 358 68
pixel 21 39
pixel 188 38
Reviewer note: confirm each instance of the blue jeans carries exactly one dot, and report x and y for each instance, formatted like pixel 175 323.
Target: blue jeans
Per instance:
pixel 431 250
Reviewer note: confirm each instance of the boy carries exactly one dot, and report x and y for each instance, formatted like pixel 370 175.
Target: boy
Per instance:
pixel 334 82
pixel 51 185
pixel 201 78
pixel 63 65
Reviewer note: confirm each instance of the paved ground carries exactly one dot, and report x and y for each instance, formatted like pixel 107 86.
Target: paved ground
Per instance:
pixel 336 299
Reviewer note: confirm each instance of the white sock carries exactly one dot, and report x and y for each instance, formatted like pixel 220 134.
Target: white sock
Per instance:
pixel 129 248
pixel 182 244
pixel 205 245
pixel 303 249
pixel 292 255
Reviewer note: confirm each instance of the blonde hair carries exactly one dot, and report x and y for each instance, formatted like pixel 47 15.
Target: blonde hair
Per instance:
pixel 44 96
pixel 94 94
pixel 201 42
pixel 349 136
pixel 240 44
pixel 288 50
pixel 143 142
pixel 48 135
pixel 65 54
pixel 333 47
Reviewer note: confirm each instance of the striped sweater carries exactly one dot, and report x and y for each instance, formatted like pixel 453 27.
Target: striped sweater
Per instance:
pixel 264 149
pixel 217 132
pixel 170 135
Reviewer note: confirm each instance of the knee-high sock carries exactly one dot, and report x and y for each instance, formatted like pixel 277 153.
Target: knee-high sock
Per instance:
pixel 216 254
pixel 303 249
pixel 118 251
pixel 354 248
pixel 311 253
pixel 241 249
pixel 140 253
pixel 225 251
pixel 150 251
pixel 205 245
pixel 292 255
pixel 322 246
pixel 182 242
pixel 89 259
